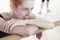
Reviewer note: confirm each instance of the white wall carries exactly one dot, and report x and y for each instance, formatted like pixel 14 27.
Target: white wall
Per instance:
pixel 54 6
pixel 4 6
pixel 55 10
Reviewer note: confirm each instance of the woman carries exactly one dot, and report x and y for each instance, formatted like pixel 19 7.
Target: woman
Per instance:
pixel 21 9
pixel 17 21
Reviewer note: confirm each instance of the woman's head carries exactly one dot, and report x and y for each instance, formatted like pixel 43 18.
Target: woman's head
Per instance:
pixel 15 3
pixel 22 8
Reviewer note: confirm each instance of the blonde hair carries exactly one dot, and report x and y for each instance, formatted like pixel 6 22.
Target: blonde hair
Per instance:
pixel 15 3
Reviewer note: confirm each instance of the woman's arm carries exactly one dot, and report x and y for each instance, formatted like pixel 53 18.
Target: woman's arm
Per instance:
pixel 42 23
pixel 25 30
pixel 18 27
pixel 1 23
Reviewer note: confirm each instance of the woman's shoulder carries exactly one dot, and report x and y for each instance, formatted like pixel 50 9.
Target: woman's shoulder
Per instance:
pixel 6 15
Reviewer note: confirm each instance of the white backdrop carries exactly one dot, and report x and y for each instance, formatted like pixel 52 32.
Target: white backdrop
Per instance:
pixel 54 6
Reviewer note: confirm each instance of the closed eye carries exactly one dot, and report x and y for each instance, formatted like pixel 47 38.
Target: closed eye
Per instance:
pixel 25 9
pixel 32 8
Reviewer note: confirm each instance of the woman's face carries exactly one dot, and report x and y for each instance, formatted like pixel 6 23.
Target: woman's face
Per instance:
pixel 25 9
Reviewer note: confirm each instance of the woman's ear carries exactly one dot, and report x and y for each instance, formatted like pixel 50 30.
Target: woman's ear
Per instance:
pixel 12 6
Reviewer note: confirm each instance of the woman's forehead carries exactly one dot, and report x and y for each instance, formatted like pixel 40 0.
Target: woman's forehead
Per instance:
pixel 28 3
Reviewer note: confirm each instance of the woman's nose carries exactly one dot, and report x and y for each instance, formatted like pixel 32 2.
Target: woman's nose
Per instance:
pixel 28 12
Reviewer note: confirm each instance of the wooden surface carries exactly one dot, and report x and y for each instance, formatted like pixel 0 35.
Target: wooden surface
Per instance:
pixel 57 23
pixel 16 37
pixel 11 37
